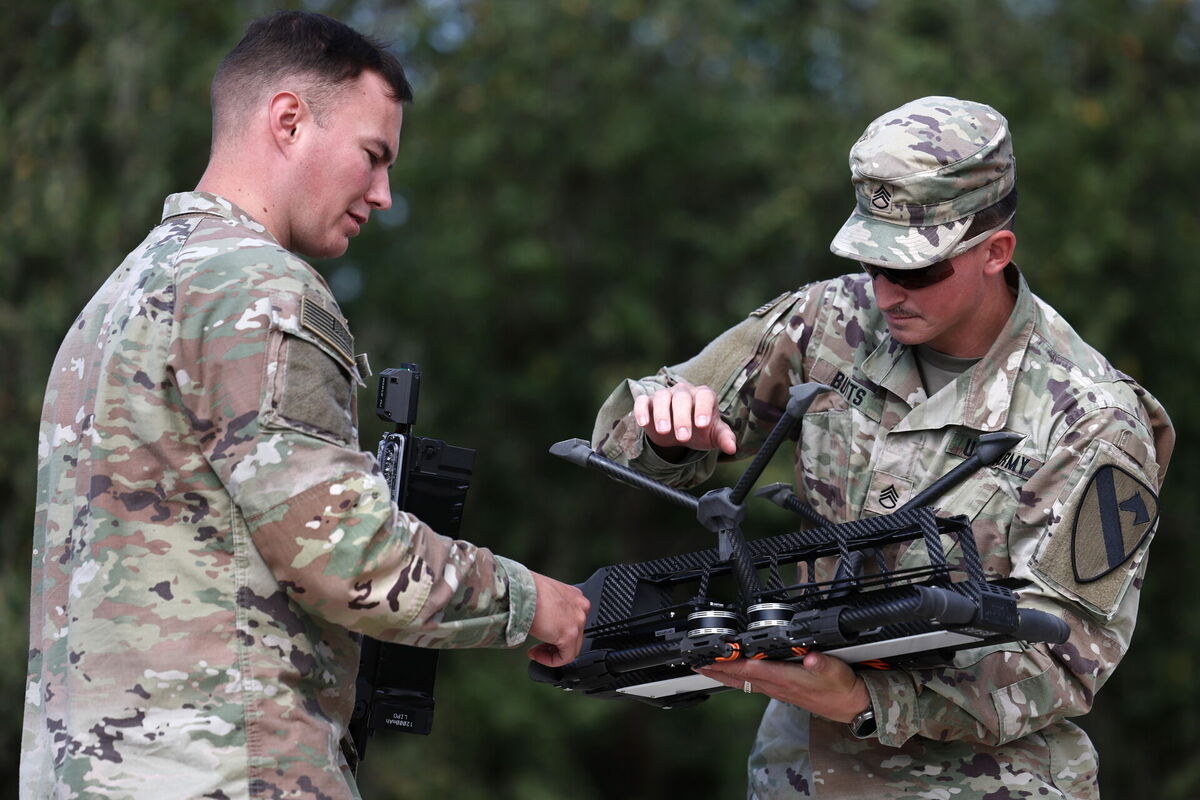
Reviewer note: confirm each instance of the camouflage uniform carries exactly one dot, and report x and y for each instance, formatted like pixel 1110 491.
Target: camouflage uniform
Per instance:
pixel 208 533
pixel 1069 513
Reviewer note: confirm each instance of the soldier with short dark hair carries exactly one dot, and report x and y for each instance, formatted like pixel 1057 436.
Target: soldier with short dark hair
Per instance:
pixel 936 341
pixel 209 536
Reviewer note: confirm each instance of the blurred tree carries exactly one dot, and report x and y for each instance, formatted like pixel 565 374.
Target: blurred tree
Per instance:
pixel 587 189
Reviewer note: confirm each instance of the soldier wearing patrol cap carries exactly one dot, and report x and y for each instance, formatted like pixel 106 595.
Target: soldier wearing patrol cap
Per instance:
pixel 208 533
pixel 937 340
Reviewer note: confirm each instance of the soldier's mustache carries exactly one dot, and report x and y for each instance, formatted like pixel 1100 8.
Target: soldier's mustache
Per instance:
pixel 902 311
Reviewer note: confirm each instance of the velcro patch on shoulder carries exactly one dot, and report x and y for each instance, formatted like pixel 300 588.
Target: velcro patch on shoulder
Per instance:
pixel 326 326
pixel 1116 514
pixel 317 396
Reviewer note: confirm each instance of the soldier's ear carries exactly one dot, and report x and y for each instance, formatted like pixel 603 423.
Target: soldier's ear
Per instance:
pixel 998 249
pixel 286 115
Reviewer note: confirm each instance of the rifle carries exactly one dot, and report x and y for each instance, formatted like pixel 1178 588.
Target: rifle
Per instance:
pixel 394 687
pixel 652 622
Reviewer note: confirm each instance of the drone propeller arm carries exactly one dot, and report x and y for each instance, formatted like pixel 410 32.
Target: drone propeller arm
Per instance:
pixel 801 397
pixel 578 451
pixel 988 450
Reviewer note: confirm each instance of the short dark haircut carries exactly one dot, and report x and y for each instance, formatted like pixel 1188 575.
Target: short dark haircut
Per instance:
pixel 323 52
pixel 995 214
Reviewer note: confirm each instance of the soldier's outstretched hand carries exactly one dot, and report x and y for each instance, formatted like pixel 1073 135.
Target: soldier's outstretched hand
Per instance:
pixel 684 416
pixel 822 684
pixel 558 622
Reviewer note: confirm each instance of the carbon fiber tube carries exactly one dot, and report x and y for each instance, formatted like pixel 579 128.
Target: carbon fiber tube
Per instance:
pixel 578 451
pixel 922 603
pixel 781 494
pixel 650 655
pixel 801 398
pixel 988 450
pixel 744 572
pixel 1039 626
pixel 805 511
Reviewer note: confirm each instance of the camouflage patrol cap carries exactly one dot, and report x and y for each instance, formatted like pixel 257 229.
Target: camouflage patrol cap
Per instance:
pixel 920 174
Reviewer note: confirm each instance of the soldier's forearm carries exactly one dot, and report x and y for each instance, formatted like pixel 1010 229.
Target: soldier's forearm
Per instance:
pixel 343 553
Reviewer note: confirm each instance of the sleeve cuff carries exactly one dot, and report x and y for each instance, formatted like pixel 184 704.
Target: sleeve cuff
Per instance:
pixel 522 600
pixel 650 463
pixel 651 458
pixel 894 700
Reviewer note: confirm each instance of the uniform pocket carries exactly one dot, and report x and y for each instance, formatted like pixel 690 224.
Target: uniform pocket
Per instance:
pixel 826 437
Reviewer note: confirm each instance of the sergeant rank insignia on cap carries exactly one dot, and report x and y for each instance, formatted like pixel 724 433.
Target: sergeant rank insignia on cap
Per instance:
pixel 882 197
pixel 1116 515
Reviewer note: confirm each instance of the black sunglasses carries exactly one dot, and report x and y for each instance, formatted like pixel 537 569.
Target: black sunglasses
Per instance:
pixel 913 278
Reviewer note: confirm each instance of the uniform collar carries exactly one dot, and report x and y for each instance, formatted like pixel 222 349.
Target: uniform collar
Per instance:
pixel 981 396
pixel 185 203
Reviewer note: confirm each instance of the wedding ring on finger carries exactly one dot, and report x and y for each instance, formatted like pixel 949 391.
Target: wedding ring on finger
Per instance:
pixel 747 688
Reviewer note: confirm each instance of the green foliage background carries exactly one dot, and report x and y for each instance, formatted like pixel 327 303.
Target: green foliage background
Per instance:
pixel 587 189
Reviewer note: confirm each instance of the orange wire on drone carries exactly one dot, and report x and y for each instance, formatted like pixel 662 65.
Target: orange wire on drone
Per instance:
pixel 875 663
pixel 734 656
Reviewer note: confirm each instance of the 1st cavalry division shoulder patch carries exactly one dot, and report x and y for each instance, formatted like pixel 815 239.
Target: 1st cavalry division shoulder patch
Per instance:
pixel 1115 516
